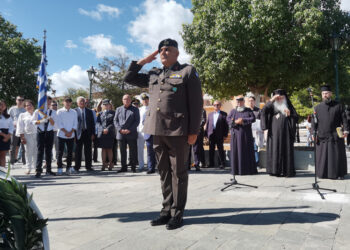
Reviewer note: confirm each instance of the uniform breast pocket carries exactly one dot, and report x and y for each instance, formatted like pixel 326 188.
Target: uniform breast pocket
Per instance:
pixel 153 81
pixel 176 85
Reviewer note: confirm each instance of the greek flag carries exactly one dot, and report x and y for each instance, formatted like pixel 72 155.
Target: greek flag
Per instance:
pixel 41 83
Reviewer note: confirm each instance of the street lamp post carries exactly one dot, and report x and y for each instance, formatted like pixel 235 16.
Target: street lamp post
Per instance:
pixel 335 41
pixel 91 73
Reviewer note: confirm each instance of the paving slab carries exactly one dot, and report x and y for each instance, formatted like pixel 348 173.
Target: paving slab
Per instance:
pixel 110 210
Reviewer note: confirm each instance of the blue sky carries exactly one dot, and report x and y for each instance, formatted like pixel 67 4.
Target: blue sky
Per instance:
pixel 81 32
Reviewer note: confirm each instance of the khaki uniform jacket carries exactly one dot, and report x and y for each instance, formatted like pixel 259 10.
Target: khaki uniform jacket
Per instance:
pixel 176 100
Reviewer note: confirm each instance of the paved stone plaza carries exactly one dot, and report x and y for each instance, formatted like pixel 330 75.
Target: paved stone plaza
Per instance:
pixel 106 210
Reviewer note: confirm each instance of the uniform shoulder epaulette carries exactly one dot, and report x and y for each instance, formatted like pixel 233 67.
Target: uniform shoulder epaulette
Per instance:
pixel 155 70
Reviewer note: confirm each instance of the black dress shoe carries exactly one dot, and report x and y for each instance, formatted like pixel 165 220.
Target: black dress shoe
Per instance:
pixel 90 169
pixel 122 170
pixel 174 223
pixel 197 168
pixel 50 173
pixel 133 169
pixel 38 175
pixel 161 220
pixel 151 171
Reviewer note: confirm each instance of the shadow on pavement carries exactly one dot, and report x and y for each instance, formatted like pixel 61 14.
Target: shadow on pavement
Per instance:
pixel 205 216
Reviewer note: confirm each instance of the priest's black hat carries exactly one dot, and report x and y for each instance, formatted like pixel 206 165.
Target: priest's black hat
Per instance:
pixel 325 88
pixel 240 98
pixel 279 92
pixel 167 42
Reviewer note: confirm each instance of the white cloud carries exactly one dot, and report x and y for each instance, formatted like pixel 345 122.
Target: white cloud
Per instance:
pixel 345 5
pixel 75 77
pixel 93 14
pixel 101 9
pixel 70 44
pixel 110 11
pixel 160 19
pixel 102 46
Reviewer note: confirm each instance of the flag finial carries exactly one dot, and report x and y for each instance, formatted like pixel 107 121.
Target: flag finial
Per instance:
pixel 45 34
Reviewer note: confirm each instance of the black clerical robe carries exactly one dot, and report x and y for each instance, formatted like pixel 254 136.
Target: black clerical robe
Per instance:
pixel 280 139
pixel 242 156
pixel 330 149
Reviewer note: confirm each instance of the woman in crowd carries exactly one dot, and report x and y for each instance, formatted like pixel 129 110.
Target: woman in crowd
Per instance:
pixel 26 130
pixel 106 134
pixel 6 130
pixel 308 132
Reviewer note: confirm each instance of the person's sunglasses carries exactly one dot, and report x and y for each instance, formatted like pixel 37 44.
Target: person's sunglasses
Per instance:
pixel 217 105
pixel 21 100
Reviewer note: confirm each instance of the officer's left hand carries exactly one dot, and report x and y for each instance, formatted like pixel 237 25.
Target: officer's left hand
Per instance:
pixel 345 135
pixel 191 139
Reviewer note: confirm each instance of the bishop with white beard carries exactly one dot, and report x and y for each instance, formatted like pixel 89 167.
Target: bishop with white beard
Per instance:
pixel 280 118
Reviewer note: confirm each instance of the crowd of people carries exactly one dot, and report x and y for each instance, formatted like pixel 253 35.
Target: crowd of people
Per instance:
pixel 173 125
pixel 33 134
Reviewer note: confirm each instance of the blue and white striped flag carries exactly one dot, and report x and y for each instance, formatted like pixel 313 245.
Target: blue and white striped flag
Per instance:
pixel 41 83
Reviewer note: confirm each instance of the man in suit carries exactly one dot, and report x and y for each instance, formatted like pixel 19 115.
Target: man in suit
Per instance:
pixel 197 150
pixel 85 134
pixel 216 131
pixel 126 120
pixel 173 119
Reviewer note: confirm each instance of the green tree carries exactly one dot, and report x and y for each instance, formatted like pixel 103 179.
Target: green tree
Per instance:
pixel 74 94
pixel 109 80
pixel 254 45
pixel 302 102
pixel 19 60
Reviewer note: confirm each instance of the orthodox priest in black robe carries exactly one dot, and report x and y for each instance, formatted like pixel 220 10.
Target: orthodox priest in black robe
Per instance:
pixel 242 156
pixel 331 159
pixel 280 118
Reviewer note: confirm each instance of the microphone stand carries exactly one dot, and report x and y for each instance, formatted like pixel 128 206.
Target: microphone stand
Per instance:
pixel 315 185
pixel 233 180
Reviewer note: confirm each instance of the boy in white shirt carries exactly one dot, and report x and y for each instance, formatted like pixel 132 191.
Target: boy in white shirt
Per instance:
pixel 67 121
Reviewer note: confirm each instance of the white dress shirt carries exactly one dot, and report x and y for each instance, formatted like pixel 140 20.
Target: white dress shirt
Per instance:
pixel 143 111
pixel 215 118
pixel 25 124
pixel 6 124
pixel 68 120
pixel 41 126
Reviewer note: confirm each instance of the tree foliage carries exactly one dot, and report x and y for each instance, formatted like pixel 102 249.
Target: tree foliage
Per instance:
pixel 253 45
pixel 109 80
pixel 19 60
pixel 302 103
pixel 74 94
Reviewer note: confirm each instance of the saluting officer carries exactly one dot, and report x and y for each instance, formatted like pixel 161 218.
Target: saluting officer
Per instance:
pixel 173 119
